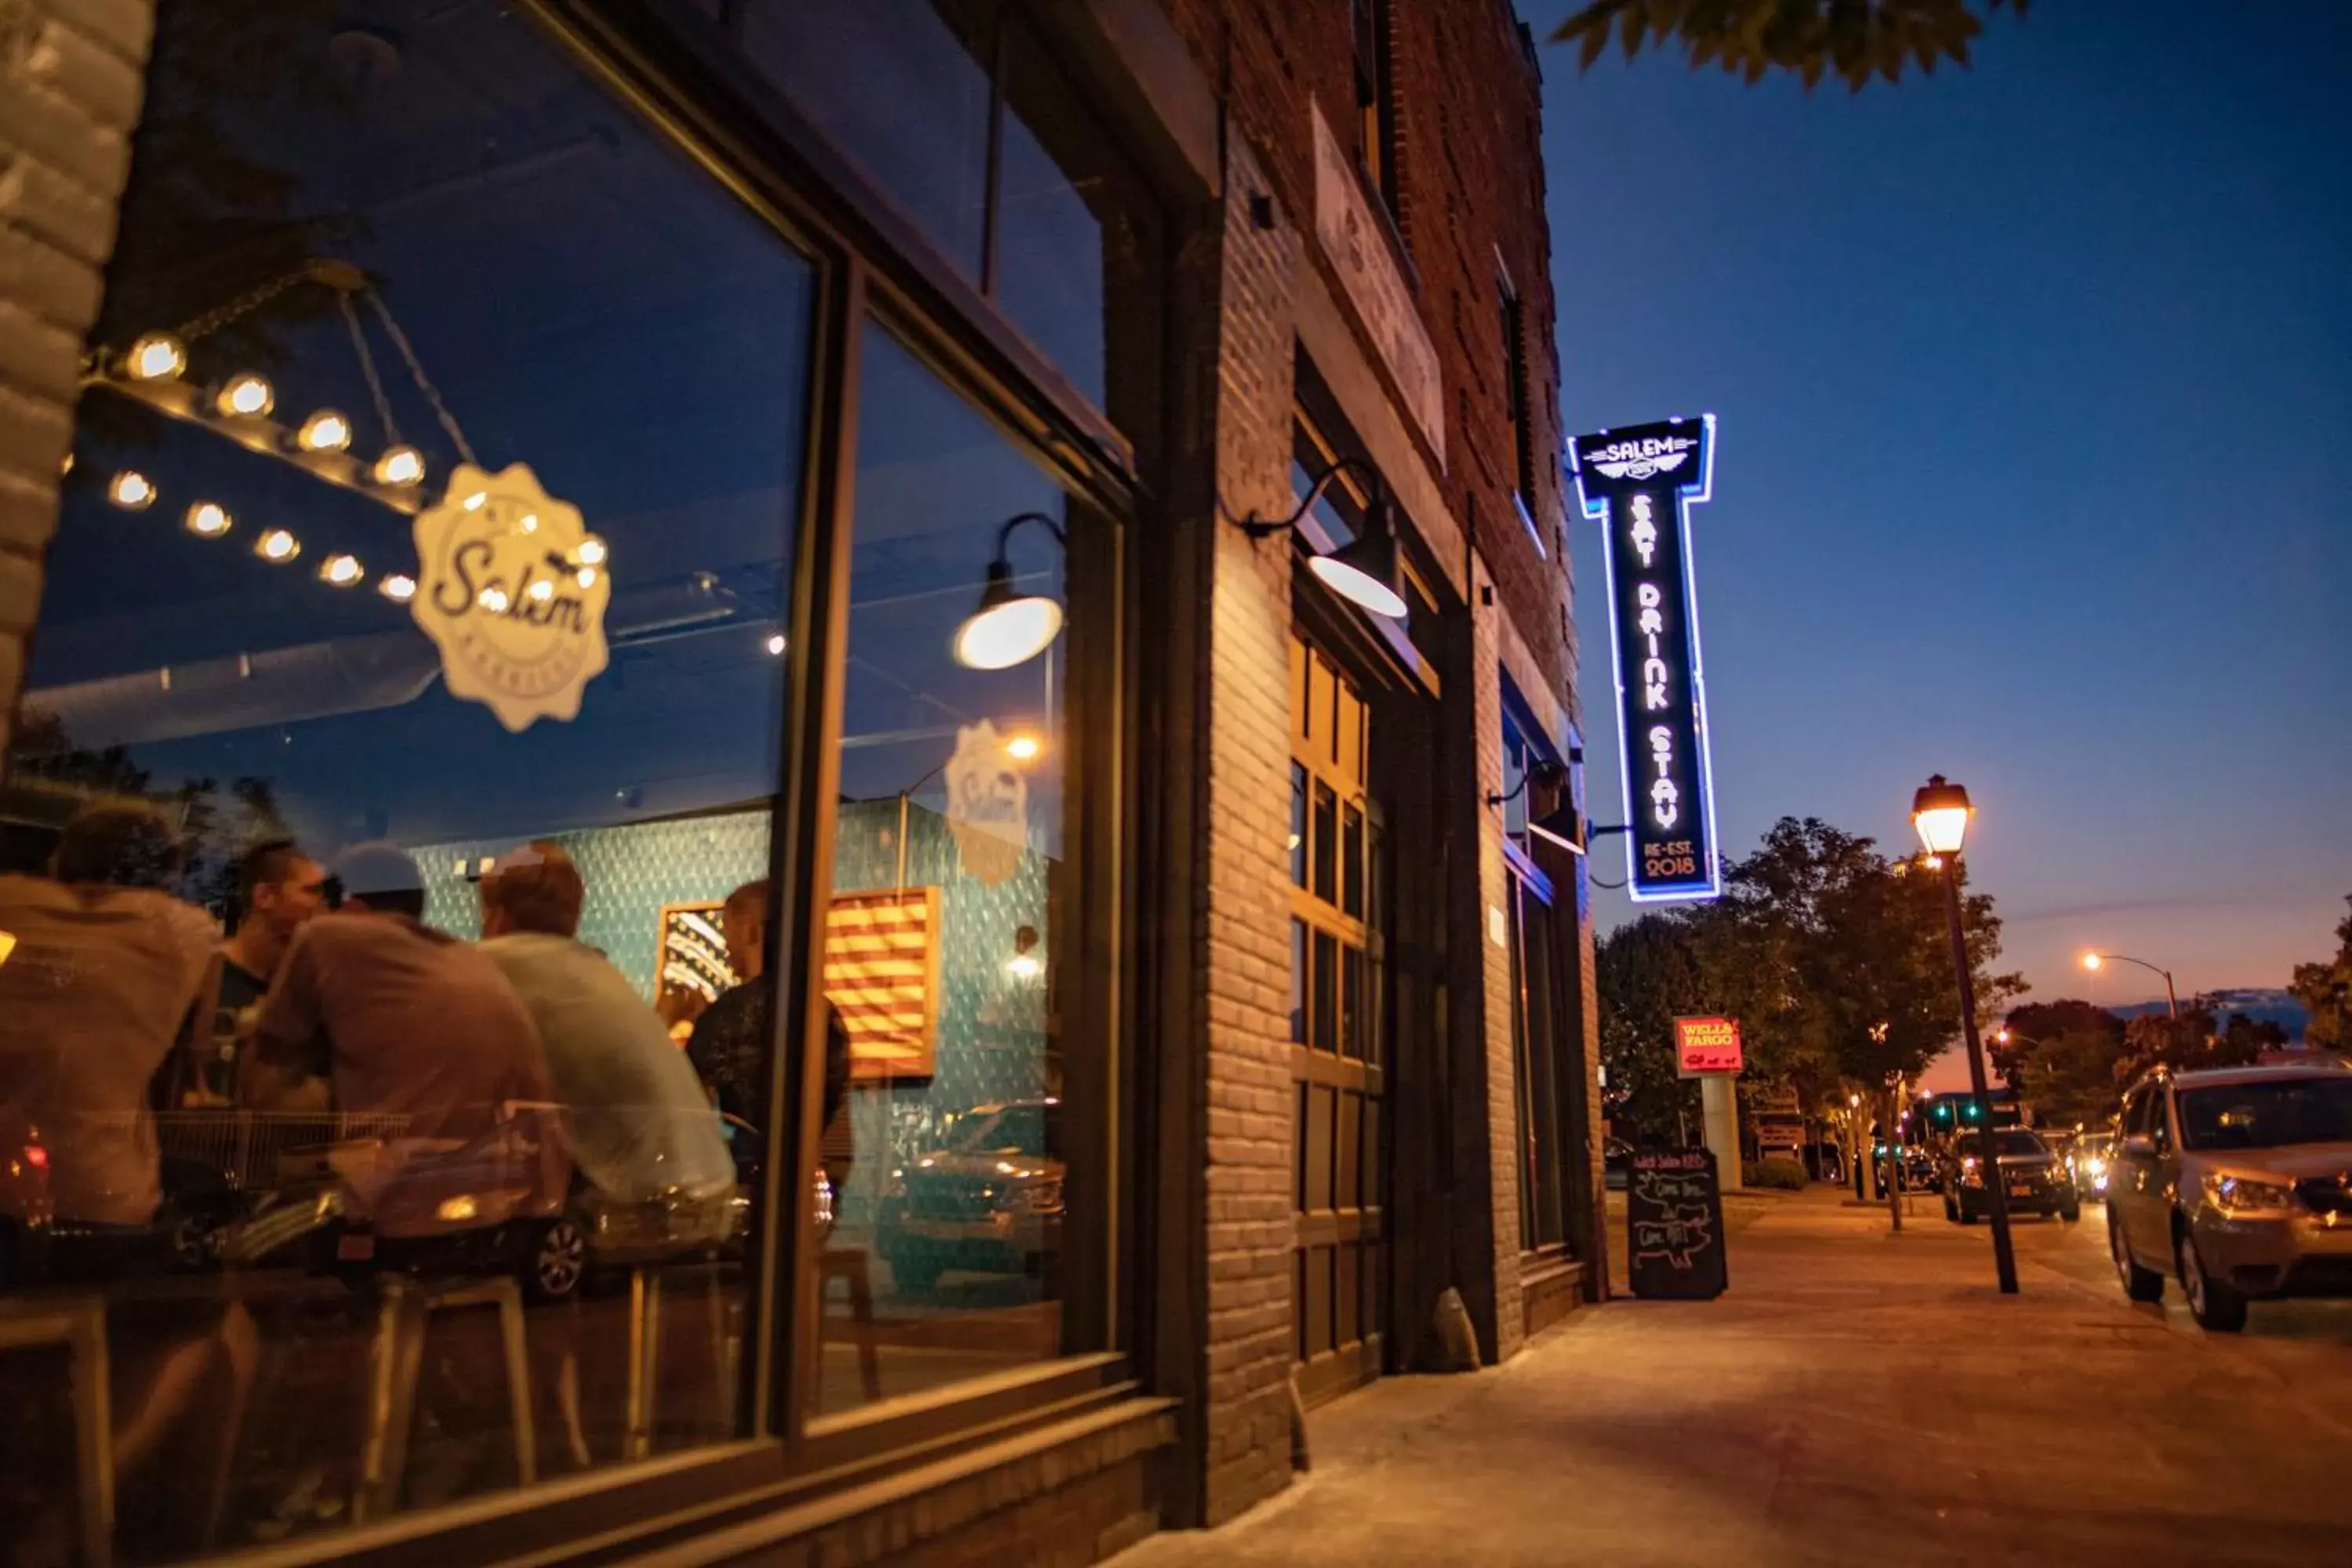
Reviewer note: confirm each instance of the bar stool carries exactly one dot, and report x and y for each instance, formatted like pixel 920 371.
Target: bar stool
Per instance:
pixel 647 1288
pixel 849 1263
pixel 78 1324
pixel 395 1360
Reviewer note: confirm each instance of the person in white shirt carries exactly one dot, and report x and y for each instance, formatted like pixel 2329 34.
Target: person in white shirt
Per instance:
pixel 642 1127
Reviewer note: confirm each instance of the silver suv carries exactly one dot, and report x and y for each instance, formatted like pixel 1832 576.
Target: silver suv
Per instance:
pixel 2237 1182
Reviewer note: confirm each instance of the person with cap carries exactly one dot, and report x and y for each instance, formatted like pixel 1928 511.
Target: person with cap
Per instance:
pixel 642 1128
pixel 392 1017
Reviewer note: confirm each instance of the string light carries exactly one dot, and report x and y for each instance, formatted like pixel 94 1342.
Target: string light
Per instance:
pixel 400 466
pixel 246 395
pixel 544 590
pixel 776 645
pixel 474 503
pixel 277 546
pixel 399 587
pixel 132 490
pixel 530 522
pixel 158 356
pixel 494 599
pixel 325 431
pixel 590 551
pixel 208 519
pixel 340 570
pixel 585 577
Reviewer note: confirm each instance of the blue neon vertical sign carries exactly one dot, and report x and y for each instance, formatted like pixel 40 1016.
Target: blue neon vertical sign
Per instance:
pixel 1639 484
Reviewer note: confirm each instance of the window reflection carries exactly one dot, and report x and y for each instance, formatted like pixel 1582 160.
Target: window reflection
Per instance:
pixel 949 870
pixel 404 1191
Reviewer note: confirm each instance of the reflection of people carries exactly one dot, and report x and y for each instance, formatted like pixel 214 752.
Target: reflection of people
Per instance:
pixel 731 1041
pixel 277 888
pixel 105 970
pixel 641 1125
pixel 399 1018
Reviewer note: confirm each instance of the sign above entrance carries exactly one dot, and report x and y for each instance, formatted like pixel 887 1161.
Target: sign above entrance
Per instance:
pixel 1704 1046
pixel 1640 484
pixel 1355 241
pixel 512 589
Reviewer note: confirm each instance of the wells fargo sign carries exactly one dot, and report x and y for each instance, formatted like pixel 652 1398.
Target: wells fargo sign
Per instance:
pixel 1705 1046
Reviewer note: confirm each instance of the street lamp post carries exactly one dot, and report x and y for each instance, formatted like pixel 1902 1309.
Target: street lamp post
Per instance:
pixel 1941 812
pixel 2091 961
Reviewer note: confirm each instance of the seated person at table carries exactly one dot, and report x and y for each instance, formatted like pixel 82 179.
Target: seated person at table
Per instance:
pixel 106 972
pixel 399 1021
pixel 641 1126
pixel 277 888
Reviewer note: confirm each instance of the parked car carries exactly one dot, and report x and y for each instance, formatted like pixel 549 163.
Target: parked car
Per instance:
pixel 2088 1158
pixel 2237 1182
pixel 2033 1180
pixel 987 1200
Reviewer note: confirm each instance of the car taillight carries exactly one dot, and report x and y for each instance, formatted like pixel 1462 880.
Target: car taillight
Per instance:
pixel 36 1156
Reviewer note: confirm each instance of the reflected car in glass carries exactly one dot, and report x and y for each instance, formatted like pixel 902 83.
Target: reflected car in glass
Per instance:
pixel 987 1200
pixel 2033 1180
pixel 2237 1183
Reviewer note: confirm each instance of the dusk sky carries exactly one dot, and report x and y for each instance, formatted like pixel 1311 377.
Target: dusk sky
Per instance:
pixel 2036 391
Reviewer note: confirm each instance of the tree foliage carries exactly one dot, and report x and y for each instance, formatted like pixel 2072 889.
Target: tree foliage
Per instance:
pixel 1854 40
pixel 2325 988
pixel 1835 959
pixel 2193 1041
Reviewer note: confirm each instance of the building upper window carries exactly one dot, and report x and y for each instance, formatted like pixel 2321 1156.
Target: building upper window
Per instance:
pixel 1376 120
pixel 957 114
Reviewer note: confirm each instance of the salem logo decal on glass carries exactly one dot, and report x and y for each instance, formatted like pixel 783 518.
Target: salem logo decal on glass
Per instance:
pixel 512 589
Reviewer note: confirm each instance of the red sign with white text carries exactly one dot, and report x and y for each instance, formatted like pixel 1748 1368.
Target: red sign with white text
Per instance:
pixel 1705 1046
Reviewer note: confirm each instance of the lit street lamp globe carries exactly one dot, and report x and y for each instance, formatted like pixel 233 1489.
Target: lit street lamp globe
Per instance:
pixel 1940 811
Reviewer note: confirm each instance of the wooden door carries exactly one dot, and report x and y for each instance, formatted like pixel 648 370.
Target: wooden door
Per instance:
pixel 1339 1049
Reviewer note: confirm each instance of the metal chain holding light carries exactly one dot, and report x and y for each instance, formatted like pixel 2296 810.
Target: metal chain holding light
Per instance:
pixel 1365 571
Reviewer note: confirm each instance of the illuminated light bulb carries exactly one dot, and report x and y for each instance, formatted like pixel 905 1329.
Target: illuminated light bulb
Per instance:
pixel 399 587
pixel 277 546
pixel 474 503
pixel 590 551
pixel 246 395
pixel 66 467
pixel 2091 961
pixel 132 490
pixel 528 523
pixel 776 645
pixel 400 466
pixel 1022 748
pixel 208 519
pixel 340 570
pixel 544 590
pixel 1023 966
pixel 494 599
pixel 585 576
pixel 158 356
pixel 325 431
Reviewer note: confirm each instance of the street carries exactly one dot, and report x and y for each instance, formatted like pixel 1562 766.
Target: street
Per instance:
pixel 1854 1396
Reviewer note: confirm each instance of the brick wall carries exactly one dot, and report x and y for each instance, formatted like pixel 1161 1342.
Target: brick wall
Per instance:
pixel 1250 1222
pixel 71 74
pixel 1471 194
pixel 1494 894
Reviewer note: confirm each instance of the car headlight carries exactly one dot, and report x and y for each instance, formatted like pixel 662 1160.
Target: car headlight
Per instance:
pixel 2246 1194
pixel 1971 1169
pixel 1045 1197
pixel 2094 1167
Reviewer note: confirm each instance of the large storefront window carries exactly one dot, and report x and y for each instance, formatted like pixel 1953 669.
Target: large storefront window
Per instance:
pixel 418 611
pixel 951 876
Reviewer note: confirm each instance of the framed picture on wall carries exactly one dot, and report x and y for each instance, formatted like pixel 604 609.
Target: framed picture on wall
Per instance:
pixel 692 958
pixel 882 974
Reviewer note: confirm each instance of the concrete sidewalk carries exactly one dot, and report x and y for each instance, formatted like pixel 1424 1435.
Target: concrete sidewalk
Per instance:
pixel 1855 1398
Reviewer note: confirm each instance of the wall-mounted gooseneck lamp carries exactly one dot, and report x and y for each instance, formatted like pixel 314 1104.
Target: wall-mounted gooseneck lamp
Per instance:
pixel 1563 825
pixel 1364 571
pixel 1008 626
